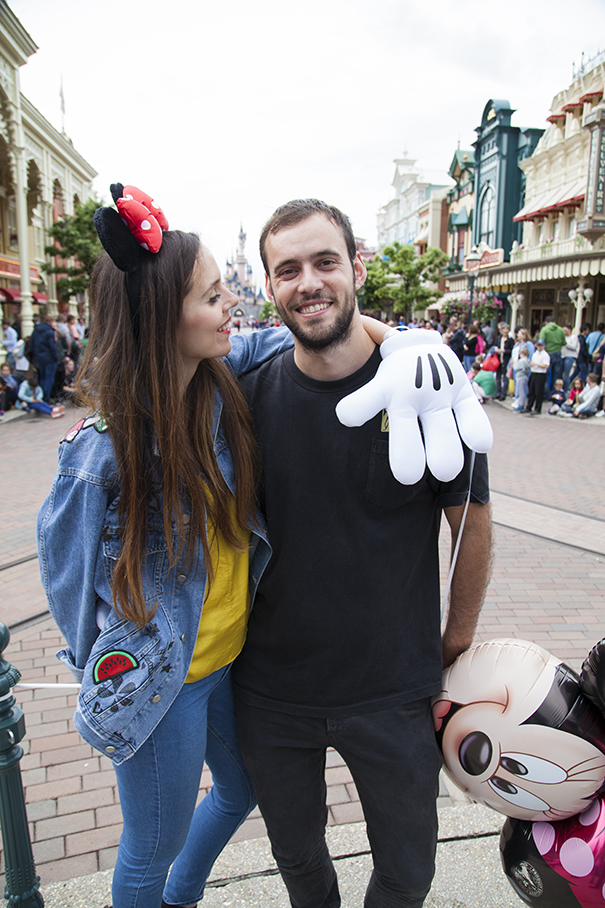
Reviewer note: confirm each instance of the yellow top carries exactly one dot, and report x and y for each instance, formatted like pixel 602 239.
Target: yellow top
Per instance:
pixel 224 619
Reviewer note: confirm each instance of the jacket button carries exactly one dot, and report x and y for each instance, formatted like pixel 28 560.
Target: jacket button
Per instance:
pixel 156 699
pixel 110 750
pixel 186 519
pixel 181 578
pixel 183 637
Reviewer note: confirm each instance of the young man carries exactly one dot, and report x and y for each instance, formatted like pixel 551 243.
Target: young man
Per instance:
pixel 554 341
pixel 344 646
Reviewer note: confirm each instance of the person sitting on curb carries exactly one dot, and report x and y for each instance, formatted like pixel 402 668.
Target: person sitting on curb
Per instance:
pixel 483 379
pixel 5 398
pixel 587 400
pixel 556 397
pixel 11 380
pixel 32 398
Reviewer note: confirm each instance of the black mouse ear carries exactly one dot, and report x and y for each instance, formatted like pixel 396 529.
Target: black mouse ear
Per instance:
pixel 592 676
pixel 117 240
pixel 117 191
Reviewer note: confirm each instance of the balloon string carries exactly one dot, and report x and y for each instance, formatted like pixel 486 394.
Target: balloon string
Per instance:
pixel 459 539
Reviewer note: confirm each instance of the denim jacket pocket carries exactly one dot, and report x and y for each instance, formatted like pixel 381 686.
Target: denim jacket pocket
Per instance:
pixel 67 658
pixel 155 567
pixel 126 669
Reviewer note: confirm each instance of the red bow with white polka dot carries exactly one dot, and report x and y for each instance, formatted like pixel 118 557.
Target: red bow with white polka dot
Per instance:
pixel 143 217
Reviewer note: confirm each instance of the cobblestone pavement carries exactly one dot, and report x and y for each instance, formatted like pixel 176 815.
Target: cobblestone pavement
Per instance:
pixel 549 590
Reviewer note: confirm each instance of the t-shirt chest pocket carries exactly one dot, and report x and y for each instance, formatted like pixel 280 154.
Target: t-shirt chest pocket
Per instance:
pixel 383 489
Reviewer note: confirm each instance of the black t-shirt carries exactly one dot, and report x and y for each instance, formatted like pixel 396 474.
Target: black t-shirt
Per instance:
pixel 346 618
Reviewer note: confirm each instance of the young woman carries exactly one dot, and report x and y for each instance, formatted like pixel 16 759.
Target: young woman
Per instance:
pixel 152 516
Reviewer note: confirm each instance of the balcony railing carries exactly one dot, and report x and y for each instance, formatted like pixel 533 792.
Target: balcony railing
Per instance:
pixel 575 245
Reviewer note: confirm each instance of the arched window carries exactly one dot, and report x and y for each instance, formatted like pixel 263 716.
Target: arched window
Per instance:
pixel 487 217
pixel 58 205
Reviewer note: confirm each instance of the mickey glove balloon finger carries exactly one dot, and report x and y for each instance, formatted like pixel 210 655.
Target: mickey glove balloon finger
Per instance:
pixel 420 378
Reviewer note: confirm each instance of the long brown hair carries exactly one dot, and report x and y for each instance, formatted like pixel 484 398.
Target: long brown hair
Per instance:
pixel 163 440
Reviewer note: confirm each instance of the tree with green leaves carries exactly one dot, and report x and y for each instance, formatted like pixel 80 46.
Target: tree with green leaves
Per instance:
pixel 374 294
pixel 268 311
pixel 74 238
pixel 409 275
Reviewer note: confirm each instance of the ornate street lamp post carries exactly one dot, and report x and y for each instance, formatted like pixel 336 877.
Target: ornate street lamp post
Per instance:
pixel 22 884
pixel 577 297
pixel 472 266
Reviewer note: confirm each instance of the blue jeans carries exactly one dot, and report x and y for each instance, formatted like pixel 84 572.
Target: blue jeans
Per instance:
pixel 40 405
pixel 569 363
pixel 158 789
pixel 46 377
pixel 556 368
pixel 394 760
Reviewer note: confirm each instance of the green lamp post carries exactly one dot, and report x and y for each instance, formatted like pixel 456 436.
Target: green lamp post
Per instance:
pixel 22 884
pixel 472 266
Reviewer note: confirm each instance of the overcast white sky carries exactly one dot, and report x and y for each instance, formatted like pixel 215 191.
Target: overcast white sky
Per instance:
pixel 223 110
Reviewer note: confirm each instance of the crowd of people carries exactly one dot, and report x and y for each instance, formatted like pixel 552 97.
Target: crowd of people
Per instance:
pixel 39 372
pixel 556 367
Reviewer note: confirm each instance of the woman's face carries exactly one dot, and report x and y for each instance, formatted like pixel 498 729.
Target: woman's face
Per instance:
pixel 203 331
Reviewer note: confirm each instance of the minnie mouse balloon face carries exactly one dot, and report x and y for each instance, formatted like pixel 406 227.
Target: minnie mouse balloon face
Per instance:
pixel 517 734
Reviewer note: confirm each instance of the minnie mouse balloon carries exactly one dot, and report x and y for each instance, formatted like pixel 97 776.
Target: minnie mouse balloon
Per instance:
pixel 557 865
pixel 517 734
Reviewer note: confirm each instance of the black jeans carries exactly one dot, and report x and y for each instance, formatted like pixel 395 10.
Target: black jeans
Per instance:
pixel 394 760
pixel 537 380
pixel 502 382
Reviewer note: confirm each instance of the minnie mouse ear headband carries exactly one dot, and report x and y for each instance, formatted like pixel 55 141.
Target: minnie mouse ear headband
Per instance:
pixel 130 233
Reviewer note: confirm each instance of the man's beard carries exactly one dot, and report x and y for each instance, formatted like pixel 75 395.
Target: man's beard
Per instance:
pixel 335 333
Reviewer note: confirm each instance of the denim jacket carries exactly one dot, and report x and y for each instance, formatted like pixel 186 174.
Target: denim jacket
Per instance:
pixel 129 676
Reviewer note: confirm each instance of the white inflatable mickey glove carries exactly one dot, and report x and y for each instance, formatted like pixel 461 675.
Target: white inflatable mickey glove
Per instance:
pixel 420 377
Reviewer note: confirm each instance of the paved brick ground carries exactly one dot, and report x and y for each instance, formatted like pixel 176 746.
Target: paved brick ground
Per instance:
pixel 541 590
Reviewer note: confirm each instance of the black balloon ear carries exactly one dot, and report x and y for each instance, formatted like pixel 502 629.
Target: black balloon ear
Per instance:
pixel 117 191
pixel 117 240
pixel 592 676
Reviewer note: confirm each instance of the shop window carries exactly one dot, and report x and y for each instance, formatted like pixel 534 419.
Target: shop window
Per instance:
pixel 487 217
pixel 461 245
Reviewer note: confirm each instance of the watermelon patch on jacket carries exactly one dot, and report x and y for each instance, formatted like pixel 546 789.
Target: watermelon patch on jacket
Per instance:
pixel 115 662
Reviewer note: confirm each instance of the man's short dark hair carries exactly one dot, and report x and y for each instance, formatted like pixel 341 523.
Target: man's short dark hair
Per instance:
pixel 549 318
pixel 299 210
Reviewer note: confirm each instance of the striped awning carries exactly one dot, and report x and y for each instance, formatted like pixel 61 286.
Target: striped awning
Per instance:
pixel 568 195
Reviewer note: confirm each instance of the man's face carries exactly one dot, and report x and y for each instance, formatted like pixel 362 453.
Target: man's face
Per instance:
pixel 312 282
